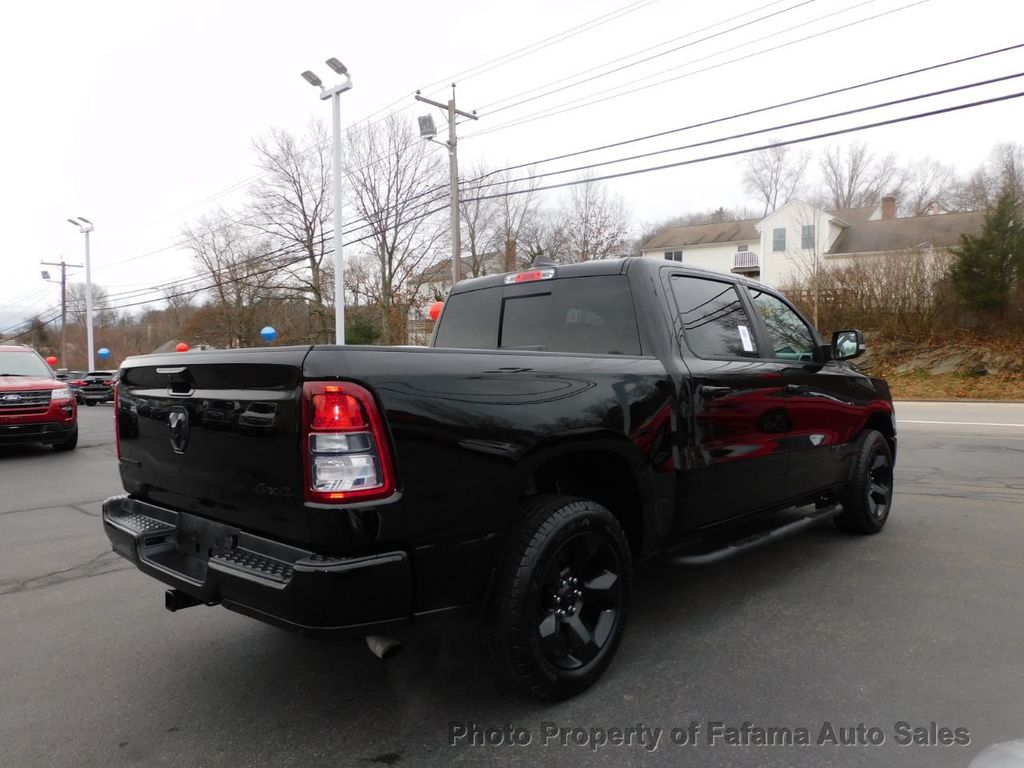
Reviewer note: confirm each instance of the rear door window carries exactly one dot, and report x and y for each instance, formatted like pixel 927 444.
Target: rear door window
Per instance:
pixel 713 318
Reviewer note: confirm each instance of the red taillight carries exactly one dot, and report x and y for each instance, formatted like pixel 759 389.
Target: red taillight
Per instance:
pixel 337 410
pixel 77 383
pixel 345 448
pixel 106 383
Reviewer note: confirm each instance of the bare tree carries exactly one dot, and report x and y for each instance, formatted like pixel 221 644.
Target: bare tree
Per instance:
pixel 774 175
pixel 101 314
pixel 291 205
pixel 930 187
pixel 516 207
pixel 545 236
pixel 236 276
pixel 1004 169
pixel 596 221
pixel 479 218
pixel 853 177
pixel 396 179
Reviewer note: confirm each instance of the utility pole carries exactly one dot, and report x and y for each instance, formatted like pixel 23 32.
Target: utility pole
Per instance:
pixel 428 132
pixel 63 303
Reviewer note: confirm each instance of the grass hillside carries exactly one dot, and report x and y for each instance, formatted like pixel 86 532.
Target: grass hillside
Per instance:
pixel 965 366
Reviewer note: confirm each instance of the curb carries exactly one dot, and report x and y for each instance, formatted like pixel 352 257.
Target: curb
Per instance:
pixel 961 400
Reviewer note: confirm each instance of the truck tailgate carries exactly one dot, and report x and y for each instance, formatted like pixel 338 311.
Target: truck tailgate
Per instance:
pixel 217 434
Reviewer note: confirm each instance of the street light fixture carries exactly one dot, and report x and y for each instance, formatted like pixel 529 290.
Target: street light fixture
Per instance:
pixel 85 227
pixel 334 94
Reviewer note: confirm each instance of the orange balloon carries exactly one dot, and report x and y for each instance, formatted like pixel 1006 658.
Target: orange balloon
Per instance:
pixel 435 310
pixel 51 360
pixel 181 346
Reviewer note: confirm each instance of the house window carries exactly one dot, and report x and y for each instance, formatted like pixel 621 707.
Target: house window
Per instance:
pixel 673 255
pixel 741 248
pixel 807 237
pixel 779 239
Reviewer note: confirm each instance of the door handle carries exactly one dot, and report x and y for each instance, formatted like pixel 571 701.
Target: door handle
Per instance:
pixel 712 392
pixel 797 389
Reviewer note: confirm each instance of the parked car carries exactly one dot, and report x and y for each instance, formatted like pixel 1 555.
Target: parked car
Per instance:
pixel 567 423
pixel 97 387
pixel 35 407
pixel 75 380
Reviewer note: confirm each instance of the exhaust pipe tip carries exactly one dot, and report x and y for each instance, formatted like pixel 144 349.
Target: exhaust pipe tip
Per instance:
pixel 384 646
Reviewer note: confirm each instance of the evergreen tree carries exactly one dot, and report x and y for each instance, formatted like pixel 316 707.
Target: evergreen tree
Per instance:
pixel 989 267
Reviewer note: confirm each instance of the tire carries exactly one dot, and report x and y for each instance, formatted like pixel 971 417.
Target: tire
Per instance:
pixel 90 403
pixel 69 443
pixel 867 499
pixel 561 597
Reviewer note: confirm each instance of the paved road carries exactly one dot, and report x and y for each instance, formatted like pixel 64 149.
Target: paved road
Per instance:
pixel 921 624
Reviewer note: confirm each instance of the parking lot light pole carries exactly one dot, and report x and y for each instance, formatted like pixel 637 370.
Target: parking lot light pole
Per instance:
pixel 85 227
pixel 334 94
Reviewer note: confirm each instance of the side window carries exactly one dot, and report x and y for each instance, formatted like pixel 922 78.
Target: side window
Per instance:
pixel 807 237
pixel 779 239
pixel 790 337
pixel 713 318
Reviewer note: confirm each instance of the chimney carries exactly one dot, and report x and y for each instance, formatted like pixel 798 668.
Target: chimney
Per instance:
pixel 888 207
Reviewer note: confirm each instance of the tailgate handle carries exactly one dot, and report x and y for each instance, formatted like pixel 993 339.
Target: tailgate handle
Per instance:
pixel 179 380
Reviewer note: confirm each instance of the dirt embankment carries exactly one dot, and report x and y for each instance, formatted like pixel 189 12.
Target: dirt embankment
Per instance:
pixel 970 367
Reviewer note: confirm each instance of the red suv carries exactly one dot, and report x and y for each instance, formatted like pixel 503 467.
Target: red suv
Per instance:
pixel 35 407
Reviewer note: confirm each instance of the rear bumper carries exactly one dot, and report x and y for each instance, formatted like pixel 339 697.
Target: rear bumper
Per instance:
pixel 36 432
pixel 282 585
pixel 104 396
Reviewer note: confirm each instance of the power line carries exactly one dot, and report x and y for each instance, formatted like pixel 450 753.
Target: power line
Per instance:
pixel 561 36
pixel 369 122
pixel 759 110
pixel 777 127
pixel 532 48
pixel 648 58
pixel 748 150
pixel 575 104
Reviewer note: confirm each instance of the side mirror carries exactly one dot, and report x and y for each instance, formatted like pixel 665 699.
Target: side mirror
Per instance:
pixel 847 345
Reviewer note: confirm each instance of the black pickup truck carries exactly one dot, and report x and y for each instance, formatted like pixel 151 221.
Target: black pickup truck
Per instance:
pixel 566 424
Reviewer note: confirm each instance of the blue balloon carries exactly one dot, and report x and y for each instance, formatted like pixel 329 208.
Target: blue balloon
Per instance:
pixel 268 334
pixel 103 352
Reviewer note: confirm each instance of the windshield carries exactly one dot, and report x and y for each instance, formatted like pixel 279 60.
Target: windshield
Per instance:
pixel 26 363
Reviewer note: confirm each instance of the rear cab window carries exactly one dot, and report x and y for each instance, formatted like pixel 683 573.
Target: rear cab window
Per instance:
pixel 589 315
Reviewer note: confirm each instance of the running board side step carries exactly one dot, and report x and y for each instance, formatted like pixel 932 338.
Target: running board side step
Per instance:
pixel 756 540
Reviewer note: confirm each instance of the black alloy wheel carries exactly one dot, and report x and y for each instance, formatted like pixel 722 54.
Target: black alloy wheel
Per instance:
pixel 561 596
pixel 880 485
pixel 867 500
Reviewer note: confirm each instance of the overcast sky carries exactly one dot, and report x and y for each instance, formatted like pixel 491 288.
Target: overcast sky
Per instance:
pixel 140 115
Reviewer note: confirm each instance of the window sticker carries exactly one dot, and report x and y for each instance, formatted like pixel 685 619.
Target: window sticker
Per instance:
pixel 745 340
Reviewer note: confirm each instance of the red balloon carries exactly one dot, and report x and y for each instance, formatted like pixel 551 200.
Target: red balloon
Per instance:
pixel 181 346
pixel 435 310
pixel 51 360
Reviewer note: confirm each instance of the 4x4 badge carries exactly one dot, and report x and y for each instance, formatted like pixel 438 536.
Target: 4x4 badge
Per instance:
pixel 178 429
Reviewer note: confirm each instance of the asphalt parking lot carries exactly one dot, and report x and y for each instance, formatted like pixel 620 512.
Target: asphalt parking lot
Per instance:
pixel 920 625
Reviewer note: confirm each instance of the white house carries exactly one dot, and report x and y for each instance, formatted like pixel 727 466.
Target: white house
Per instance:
pixel 775 248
